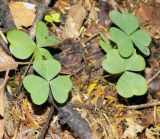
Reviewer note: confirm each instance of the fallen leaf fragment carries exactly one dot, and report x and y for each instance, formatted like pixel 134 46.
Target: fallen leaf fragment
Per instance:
pixel 151 133
pixel 149 17
pixel 6 62
pixel 2 105
pixel 92 87
pixel 23 13
pixel 93 15
pixel 75 18
pixel 133 129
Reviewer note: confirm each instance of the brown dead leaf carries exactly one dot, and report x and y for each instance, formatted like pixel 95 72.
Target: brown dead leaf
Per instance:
pixel 133 129
pixel 6 62
pixel 152 133
pixel 75 18
pixel 29 118
pixel 149 17
pixel 10 124
pixel 93 15
pixel 2 105
pixel 154 86
pixel 23 13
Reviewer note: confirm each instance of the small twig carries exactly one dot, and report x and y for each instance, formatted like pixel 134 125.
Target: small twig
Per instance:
pixel 22 63
pixel 5 80
pixel 90 38
pixel 4 46
pixel 28 67
pixel 142 106
pixel 155 75
pixel 87 106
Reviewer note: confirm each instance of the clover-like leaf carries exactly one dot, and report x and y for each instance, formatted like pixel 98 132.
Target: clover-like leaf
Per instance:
pixel 127 22
pixel 56 17
pixel 141 39
pixel 114 63
pixel 131 84
pixel 52 17
pixel 37 87
pixel 42 36
pixel 21 45
pixel 48 69
pixel 135 62
pixel 60 87
pixel 48 18
pixel 42 54
pixel 124 43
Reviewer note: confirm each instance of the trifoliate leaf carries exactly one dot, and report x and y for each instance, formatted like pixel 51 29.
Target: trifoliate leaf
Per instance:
pixel 130 84
pixel 52 17
pixel 37 87
pixel 60 87
pixel 48 69
pixel 21 45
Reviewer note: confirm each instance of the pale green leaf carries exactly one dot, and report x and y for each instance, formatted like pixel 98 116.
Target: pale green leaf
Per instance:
pixel 21 45
pixel 130 84
pixel 60 87
pixel 106 46
pixel 48 18
pixel 52 17
pixel 56 17
pixel 127 22
pixel 42 54
pixel 114 63
pixel 124 43
pixel 51 41
pixel 135 62
pixel 104 38
pixel 141 39
pixel 37 87
pixel 42 36
pixel 41 33
pixel 48 69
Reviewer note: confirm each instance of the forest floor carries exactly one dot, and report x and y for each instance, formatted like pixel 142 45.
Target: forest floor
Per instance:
pixel 93 99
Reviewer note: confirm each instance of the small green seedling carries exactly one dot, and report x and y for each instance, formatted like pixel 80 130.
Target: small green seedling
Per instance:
pixel 22 47
pixel 125 60
pixel 52 17
pixel 128 34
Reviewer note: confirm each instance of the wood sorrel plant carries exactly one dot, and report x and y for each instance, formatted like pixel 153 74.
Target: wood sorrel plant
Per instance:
pixel 124 58
pixel 22 47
